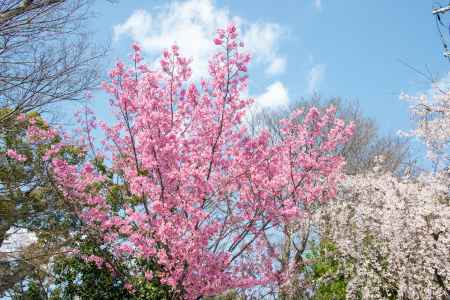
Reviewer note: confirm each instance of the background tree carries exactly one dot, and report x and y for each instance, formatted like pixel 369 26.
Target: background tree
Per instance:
pixel 46 56
pixel 391 233
pixel 46 267
pixel 30 201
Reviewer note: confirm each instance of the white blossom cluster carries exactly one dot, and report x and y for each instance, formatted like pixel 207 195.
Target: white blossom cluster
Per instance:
pixel 394 235
pixel 432 114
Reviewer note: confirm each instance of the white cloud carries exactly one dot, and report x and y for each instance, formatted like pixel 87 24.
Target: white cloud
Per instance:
pixel 277 66
pixel 192 25
pixel 318 4
pixel 315 77
pixel 275 95
pixel 262 40
pixel 137 25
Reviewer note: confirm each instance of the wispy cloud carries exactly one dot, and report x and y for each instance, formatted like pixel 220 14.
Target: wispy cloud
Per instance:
pixel 315 77
pixel 318 4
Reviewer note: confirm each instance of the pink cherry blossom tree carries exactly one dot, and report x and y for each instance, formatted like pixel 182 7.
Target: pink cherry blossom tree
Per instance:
pixel 196 195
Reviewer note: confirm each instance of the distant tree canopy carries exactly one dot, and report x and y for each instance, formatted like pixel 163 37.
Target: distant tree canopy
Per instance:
pixel 366 144
pixel 46 55
pixel 30 200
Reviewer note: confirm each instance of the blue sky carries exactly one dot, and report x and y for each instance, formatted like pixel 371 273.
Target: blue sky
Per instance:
pixel 351 49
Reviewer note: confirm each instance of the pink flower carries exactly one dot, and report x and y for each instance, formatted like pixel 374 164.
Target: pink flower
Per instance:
pixel 14 155
pixel 148 275
pixel 136 47
pixel 129 287
pixel 21 117
pixel 231 28
pixel 95 259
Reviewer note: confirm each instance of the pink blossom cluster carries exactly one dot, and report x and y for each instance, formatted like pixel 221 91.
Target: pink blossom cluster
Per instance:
pixel 203 197
pixel 14 155
pixel 37 132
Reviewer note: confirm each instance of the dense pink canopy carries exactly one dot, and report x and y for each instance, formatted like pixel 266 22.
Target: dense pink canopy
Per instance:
pixel 209 197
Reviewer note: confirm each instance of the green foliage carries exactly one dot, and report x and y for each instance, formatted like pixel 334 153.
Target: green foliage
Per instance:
pixel 78 278
pixel 326 273
pixel 30 199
